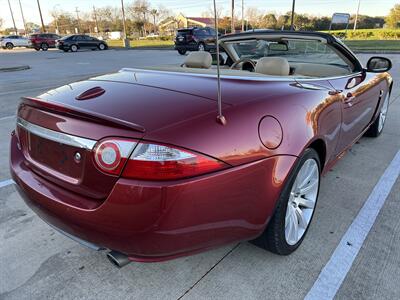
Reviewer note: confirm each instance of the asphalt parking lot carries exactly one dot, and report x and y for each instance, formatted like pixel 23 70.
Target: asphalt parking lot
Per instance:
pixel 37 262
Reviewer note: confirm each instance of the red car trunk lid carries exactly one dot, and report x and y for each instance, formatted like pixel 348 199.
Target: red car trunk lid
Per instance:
pixel 60 149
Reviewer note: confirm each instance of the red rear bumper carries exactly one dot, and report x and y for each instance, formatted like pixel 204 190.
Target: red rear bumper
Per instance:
pixel 153 221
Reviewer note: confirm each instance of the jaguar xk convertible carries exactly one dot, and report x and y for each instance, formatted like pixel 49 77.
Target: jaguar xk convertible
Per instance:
pixel 149 164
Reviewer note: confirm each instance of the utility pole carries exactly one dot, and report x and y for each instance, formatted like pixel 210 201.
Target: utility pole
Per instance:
pixel 233 17
pixel 23 18
pixel 126 41
pixel 242 15
pixel 358 11
pixel 12 17
pixel 292 21
pixel 41 17
pixel 55 16
pixel 77 18
pixel 95 19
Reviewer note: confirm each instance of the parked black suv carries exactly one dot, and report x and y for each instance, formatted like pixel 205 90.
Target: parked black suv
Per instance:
pixel 80 41
pixel 195 39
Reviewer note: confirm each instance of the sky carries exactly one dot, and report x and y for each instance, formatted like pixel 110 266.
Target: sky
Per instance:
pixel 194 8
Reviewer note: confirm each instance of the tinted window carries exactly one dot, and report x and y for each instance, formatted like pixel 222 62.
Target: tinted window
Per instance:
pixel 68 37
pixel 184 32
pixel 201 32
pixel 211 31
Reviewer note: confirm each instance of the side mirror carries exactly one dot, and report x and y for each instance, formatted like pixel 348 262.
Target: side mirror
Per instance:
pixel 379 64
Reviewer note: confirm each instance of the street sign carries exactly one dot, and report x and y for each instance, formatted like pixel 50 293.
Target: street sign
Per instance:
pixel 340 18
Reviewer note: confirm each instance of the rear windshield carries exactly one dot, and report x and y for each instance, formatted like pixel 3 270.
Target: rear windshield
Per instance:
pixel 66 37
pixel 185 32
pixel 34 35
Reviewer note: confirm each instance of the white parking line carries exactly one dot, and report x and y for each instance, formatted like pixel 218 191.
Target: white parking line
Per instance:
pixel 332 275
pixel 5 183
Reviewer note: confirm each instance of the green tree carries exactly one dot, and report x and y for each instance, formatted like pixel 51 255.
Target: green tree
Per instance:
pixel 284 21
pixel 269 21
pixel 154 12
pixel 393 19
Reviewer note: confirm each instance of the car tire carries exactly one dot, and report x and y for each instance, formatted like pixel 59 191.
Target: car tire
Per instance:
pixel 37 49
pixel 201 47
pixel 74 48
pixel 9 46
pixel 182 51
pixel 44 46
pixel 102 46
pixel 286 229
pixel 376 128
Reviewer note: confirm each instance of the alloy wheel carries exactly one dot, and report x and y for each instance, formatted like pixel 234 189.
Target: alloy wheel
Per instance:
pixel 383 113
pixel 201 47
pixel 302 200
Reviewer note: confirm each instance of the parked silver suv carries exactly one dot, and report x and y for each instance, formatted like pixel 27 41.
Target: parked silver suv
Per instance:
pixel 11 41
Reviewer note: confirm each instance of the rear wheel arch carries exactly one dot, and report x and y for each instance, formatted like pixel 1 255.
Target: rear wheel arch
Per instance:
pixel 320 147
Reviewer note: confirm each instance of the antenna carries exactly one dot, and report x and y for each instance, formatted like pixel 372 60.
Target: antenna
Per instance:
pixel 220 118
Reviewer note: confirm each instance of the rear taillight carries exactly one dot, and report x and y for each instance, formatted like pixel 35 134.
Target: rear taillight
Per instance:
pixel 160 162
pixel 110 155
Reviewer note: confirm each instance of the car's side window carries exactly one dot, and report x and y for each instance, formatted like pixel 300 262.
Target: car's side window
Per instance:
pixel 201 32
pixel 211 31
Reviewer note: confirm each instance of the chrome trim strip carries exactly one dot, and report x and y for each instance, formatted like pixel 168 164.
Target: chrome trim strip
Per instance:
pixel 56 136
pixel 255 78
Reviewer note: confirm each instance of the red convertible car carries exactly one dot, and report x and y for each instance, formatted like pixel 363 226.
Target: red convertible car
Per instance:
pixel 137 162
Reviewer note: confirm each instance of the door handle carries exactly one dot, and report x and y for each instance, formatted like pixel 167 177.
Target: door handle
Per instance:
pixel 334 92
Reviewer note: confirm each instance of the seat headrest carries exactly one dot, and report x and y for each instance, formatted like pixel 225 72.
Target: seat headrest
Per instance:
pixel 273 66
pixel 200 59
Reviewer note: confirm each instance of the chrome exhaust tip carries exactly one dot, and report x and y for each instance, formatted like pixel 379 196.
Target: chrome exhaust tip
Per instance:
pixel 118 259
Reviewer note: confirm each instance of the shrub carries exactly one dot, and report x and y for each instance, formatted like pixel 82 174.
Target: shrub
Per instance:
pixel 368 34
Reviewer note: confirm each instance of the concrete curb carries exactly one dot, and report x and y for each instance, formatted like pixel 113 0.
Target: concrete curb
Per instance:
pixel 141 48
pixel 16 68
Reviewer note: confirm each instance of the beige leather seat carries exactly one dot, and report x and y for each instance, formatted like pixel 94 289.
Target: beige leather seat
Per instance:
pixel 277 66
pixel 200 60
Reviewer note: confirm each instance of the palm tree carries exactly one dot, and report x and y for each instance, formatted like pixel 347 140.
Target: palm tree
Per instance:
pixel 154 13
pixel 143 10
